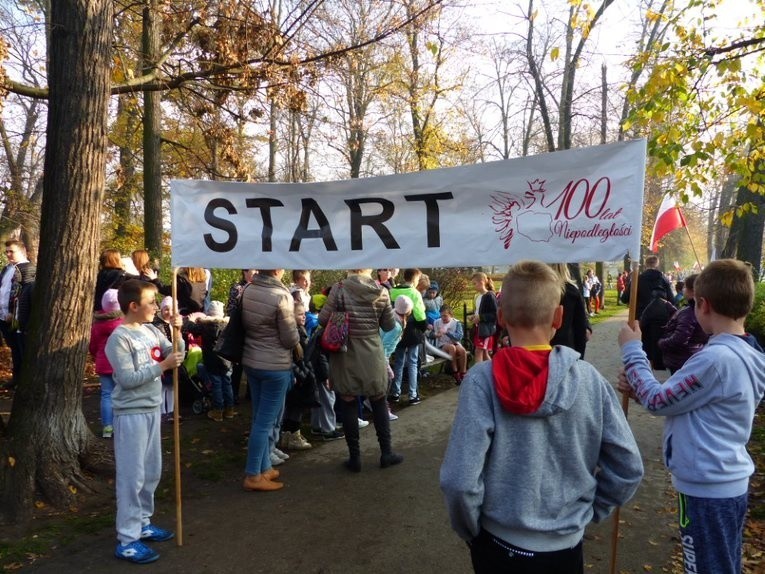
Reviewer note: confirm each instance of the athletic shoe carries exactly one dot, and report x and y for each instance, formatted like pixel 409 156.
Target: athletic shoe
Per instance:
pixel 391 416
pixel 296 441
pixel 136 552
pixel 363 423
pixel 415 400
pixel 156 534
pixel 107 432
pixel 333 435
pixel 275 460
pixel 282 455
pixel 316 432
pixel 394 398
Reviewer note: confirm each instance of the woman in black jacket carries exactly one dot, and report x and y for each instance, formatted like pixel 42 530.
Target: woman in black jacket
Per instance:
pixel 575 330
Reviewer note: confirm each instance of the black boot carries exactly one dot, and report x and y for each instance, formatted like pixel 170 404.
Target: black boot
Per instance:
pixel 382 426
pixel 350 412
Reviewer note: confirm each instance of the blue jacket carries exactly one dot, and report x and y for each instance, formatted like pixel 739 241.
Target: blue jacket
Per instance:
pixel 709 406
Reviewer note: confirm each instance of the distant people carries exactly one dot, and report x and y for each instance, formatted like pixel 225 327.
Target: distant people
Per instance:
pixel 575 329
pixel 433 302
pixel 448 335
pixel 385 278
pixel 138 353
pixel 234 295
pixel 683 336
pixel 709 405
pixel 528 466
pixel 621 285
pixel 217 370
pixel 406 356
pixel 360 371
pixel 592 288
pixel 648 281
pixel 111 274
pixel 271 336
pixel 680 300
pixel 486 314
pixel 104 323
pixel 192 290
pixel 16 277
pixel 652 322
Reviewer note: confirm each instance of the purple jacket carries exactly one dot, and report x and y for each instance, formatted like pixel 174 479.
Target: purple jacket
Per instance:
pixel 683 337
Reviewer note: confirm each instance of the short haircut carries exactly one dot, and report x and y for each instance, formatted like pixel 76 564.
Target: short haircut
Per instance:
pixel 446 309
pixel 410 274
pixel 131 291
pixel 652 261
pixel 299 307
pixel 728 286
pixel 17 243
pixel 690 281
pixel 533 292
pixel 680 285
pixel 110 259
pixel 299 274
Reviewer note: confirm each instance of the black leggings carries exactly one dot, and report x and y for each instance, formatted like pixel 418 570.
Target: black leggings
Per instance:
pixel 490 555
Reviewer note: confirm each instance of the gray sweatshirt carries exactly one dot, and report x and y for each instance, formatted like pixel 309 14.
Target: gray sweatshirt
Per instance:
pixel 539 448
pixel 135 354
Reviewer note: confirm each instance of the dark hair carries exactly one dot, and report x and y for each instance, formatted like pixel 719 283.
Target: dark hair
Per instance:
pixel 410 274
pixel 690 281
pixel 131 291
pixel 446 309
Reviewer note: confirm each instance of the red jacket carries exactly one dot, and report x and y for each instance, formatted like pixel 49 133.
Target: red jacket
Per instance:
pixel 103 325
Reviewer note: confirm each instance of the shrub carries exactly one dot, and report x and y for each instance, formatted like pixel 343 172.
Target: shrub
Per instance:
pixel 755 323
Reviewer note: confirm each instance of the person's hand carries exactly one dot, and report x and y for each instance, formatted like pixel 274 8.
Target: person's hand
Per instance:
pixel 150 273
pixel 623 386
pixel 627 333
pixel 172 361
pixel 177 320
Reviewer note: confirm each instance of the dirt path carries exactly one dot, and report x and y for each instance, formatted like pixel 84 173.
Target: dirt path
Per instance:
pixel 326 520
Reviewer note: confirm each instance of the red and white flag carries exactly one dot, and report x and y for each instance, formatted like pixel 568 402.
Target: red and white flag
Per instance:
pixel 668 218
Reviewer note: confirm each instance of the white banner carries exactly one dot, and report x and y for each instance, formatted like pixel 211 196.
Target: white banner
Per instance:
pixel 576 205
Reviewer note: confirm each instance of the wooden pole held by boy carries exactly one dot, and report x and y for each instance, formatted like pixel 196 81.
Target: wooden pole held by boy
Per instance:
pixel 625 407
pixel 177 422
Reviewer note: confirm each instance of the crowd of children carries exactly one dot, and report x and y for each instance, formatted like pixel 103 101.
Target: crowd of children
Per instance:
pixel 709 403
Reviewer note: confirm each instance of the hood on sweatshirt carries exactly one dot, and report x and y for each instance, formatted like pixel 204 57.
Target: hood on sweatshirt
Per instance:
pixel 362 289
pixel 528 382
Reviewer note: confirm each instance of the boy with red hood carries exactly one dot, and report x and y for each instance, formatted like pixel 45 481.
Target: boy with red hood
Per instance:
pixel 540 446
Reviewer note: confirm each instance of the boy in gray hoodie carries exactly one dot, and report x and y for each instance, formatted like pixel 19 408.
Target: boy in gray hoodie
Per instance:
pixel 708 405
pixel 540 446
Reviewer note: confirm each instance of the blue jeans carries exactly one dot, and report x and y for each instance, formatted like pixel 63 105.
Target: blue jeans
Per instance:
pixel 408 356
pixel 107 386
pixel 222 393
pixel 712 532
pixel 267 392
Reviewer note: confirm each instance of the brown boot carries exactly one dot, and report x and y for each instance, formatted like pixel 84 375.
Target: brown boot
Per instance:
pixel 215 415
pixel 229 413
pixel 261 483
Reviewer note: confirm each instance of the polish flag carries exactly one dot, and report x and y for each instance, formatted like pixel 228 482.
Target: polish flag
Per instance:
pixel 668 219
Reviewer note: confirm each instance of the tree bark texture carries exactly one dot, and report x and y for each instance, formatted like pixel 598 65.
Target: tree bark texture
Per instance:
pixel 47 443
pixel 152 119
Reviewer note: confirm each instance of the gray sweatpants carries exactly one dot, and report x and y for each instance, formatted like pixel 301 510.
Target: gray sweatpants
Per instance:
pixel 138 458
pixel 323 417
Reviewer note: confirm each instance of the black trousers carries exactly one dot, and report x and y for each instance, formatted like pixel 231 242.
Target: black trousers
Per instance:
pixel 492 555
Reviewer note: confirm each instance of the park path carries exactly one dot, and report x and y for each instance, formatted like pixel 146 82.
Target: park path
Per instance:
pixel 328 521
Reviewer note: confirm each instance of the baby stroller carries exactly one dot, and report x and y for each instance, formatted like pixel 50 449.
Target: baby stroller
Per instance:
pixel 193 385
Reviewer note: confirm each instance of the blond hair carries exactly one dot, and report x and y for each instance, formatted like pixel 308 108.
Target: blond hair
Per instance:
pixel 532 291
pixel 485 279
pixel 194 274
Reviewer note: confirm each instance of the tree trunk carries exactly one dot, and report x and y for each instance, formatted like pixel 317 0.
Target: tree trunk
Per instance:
pixel 152 114
pixel 47 441
pixel 745 237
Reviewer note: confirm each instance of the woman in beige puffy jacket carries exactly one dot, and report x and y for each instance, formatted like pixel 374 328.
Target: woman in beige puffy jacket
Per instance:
pixel 361 369
pixel 271 335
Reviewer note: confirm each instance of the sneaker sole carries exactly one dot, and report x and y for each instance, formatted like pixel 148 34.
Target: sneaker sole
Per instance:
pixel 132 559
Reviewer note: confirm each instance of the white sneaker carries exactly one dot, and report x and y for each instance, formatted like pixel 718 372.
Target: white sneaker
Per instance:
pixel 275 460
pixel 281 454
pixel 391 416
pixel 296 441
pixel 363 423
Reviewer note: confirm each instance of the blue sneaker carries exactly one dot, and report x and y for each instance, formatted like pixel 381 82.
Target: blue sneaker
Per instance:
pixel 136 552
pixel 156 534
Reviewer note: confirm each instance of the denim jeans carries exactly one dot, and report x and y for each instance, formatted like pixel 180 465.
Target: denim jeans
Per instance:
pixel 107 386
pixel 409 357
pixel 267 392
pixel 222 393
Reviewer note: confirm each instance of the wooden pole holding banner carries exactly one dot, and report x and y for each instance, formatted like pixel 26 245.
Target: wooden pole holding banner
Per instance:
pixel 625 407
pixel 177 422
pixel 696 255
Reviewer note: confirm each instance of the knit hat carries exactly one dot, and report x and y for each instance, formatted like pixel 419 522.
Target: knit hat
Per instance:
pixel 109 302
pixel 216 309
pixel 434 285
pixel 403 305
pixel 167 303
